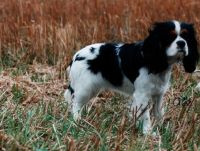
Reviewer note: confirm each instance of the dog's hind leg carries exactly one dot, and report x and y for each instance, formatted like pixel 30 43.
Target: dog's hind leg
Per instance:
pixel 80 98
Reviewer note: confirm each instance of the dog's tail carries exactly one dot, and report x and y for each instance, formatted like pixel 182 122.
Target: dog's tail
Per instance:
pixel 69 91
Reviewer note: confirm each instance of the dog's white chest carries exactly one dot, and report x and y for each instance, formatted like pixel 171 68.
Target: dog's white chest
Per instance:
pixel 151 84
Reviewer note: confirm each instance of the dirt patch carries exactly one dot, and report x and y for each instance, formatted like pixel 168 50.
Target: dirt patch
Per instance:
pixel 38 82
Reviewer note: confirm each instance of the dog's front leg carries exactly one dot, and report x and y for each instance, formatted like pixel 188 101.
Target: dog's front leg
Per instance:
pixel 140 108
pixel 158 110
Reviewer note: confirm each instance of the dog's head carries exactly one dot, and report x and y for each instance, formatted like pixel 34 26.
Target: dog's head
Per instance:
pixel 170 42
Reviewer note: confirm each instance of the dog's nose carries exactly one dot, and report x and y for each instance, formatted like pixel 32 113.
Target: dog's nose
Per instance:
pixel 181 44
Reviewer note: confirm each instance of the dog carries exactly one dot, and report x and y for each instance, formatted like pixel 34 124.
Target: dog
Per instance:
pixel 141 70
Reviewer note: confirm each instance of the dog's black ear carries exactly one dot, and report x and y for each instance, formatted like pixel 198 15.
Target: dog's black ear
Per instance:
pixel 153 27
pixel 191 60
pixel 153 51
pixel 157 26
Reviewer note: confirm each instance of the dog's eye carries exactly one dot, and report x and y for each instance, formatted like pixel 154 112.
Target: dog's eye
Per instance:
pixel 184 31
pixel 172 33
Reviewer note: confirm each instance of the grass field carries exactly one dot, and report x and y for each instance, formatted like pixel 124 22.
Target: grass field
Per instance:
pixel 37 41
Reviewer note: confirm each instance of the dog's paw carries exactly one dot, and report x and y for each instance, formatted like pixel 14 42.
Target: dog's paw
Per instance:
pixel 197 88
pixel 147 130
pixel 77 116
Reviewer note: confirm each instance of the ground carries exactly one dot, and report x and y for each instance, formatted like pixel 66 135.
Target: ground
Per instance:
pixel 34 115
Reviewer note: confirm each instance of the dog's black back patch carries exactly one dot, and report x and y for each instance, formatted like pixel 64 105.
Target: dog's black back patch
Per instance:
pixel 92 50
pixel 107 63
pixel 79 58
pixel 131 60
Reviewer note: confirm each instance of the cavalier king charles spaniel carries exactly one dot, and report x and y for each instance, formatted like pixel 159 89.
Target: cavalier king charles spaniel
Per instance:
pixel 141 70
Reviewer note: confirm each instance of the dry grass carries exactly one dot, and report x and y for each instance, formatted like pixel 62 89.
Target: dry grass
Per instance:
pixel 33 115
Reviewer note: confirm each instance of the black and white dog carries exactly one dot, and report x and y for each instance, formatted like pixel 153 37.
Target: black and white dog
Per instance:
pixel 141 70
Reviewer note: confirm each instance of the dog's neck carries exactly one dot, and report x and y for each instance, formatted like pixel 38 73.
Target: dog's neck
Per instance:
pixel 154 63
pixel 165 74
